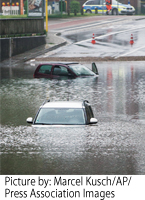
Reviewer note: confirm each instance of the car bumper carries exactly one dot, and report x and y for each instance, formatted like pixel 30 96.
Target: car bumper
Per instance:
pixel 127 12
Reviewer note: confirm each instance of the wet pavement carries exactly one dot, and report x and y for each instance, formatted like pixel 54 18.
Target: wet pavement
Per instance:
pixel 112 39
pixel 65 32
pixel 114 146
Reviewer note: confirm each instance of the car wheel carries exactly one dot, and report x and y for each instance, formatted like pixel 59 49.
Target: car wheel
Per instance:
pixel 115 12
pixel 88 11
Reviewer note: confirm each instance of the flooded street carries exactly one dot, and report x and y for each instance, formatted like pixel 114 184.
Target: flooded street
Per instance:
pixel 114 146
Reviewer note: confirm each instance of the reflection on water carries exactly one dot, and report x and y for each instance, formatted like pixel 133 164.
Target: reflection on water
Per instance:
pixel 114 146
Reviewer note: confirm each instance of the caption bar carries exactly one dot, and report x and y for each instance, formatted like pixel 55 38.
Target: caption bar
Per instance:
pixel 72 187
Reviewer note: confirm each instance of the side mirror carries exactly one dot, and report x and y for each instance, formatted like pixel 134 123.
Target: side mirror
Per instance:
pixel 94 69
pixel 29 120
pixel 93 121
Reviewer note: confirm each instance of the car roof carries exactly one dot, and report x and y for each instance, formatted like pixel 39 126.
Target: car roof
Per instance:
pixel 59 63
pixel 63 104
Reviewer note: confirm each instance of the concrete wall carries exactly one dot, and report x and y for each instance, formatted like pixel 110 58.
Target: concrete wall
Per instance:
pixel 10 46
pixel 4 49
pixel 13 46
pixel 21 26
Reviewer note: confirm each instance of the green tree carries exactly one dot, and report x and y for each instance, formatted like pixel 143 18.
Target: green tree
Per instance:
pixel 75 6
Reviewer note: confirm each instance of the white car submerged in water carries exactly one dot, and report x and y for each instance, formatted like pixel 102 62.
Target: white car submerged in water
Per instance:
pixel 63 113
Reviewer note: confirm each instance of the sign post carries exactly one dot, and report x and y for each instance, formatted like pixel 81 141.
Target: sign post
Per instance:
pixel 21 7
pixel 46 14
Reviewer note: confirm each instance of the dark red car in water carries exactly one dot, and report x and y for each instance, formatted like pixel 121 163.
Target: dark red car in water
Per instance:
pixel 64 71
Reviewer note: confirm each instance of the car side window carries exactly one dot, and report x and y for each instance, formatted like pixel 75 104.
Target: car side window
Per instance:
pixel 97 2
pixel 93 2
pixel 60 70
pixel 45 69
pixel 102 2
pixel 89 112
pixel 89 3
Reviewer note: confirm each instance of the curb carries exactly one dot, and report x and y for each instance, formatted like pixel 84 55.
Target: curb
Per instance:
pixel 50 38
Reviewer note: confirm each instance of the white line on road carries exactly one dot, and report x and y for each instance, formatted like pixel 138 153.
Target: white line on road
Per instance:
pixel 130 52
pixel 113 33
pixel 89 25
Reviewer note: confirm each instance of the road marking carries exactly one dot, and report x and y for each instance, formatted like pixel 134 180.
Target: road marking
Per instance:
pixel 89 25
pixel 130 52
pixel 113 33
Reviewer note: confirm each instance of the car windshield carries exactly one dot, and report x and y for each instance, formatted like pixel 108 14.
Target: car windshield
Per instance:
pixel 81 70
pixel 60 116
pixel 114 2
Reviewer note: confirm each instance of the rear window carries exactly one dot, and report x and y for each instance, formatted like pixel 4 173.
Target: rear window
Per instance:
pixel 45 69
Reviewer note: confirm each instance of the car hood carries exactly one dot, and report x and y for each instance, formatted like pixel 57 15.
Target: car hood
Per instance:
pixel 123 5
pixel 127 5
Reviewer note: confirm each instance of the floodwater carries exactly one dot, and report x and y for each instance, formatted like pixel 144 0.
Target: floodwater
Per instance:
pixel 116 145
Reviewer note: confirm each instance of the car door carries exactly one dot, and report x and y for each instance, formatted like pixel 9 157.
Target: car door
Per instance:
pixel 93 5
pixel 61 72
pixel 94 69
pixel 43 71
pixel 103 6
pixel 98 6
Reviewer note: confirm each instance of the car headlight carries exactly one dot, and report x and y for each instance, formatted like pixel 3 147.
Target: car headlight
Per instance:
pixel 132 8
pixel 124 8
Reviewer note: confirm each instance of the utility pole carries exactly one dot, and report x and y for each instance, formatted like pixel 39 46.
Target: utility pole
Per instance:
pixel 138 7
pixel 61 8
pixel 21 7
pixel 46 14
pixel 0 6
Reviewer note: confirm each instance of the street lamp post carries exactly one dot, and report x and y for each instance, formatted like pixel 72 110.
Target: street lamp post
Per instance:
pixel 61 8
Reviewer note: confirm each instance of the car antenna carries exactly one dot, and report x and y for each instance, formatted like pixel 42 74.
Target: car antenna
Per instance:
pixel 45 101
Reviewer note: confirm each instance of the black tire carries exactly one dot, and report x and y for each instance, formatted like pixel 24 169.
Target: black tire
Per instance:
pixel 114 11
pixel 88 11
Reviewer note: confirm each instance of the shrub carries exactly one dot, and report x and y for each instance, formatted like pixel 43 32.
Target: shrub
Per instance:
pixel 75 5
